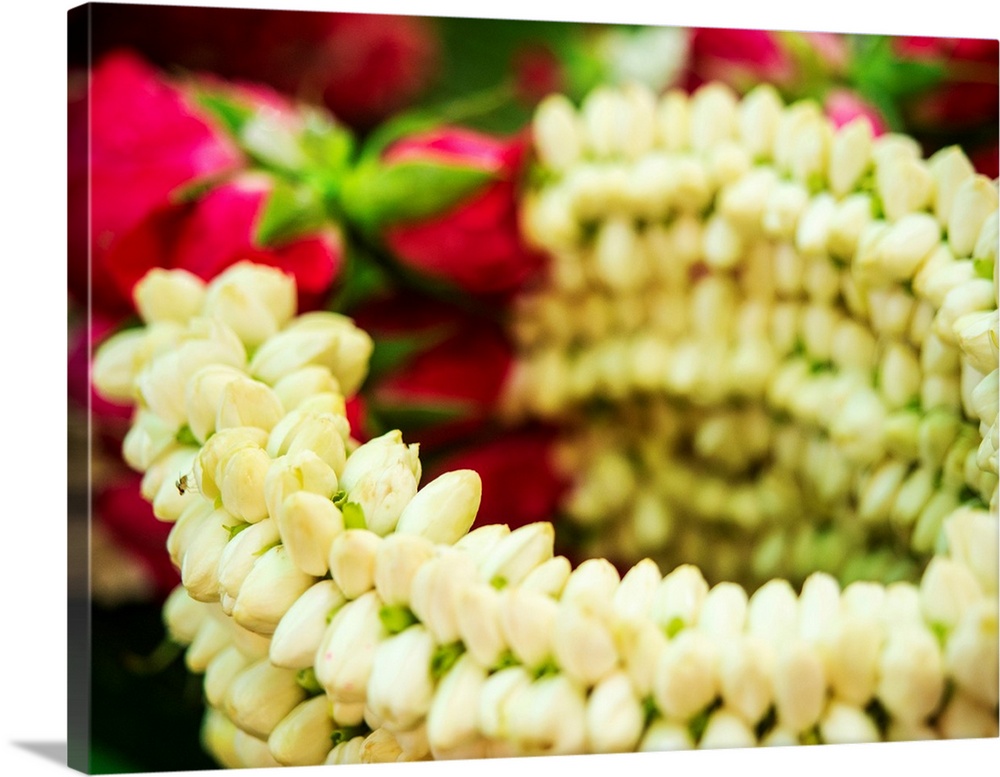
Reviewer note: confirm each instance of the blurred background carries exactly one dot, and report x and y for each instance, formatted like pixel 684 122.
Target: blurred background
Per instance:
pixel 363 71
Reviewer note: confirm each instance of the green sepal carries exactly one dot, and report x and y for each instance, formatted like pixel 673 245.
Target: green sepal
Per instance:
pixel 375 195
pixel 236 529
pixel 675 626
pixel 267 547
pixel 983 268
pixel 548 668
pixel 506 660
pixel 499 582
pixel 698 724
pixel 185 436
pixel 444 658
pixel 354 516
pixel 306 679
pixel 396 618
pixel 347 733
pixel 289 211
pixel 232 113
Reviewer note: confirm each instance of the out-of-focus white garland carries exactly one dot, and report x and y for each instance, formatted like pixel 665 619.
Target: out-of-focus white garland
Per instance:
pixel 760 332
pixel 342 613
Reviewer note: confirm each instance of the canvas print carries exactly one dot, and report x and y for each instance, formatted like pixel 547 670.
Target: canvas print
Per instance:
pixel 453 388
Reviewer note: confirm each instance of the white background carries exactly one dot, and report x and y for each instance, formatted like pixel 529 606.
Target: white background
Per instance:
pixel 32 371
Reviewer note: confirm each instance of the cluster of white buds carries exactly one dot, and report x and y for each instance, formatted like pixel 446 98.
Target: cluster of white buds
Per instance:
pixel 341 613
pixel 789 331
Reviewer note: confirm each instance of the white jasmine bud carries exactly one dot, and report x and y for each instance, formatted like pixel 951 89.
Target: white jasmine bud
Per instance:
pixel 969 297
pixel 848 222
pixel 799 686
pixel 252 752
pixel 904 184
pixel 971 653
pixel 322 338
pixel 400 686
pixel 149 438
pixel 397 560
pixel 434 591
pixel 348 752
pixel 549 577
pixel 640 644
pixel 444 509
pixel 850 155
pixel 978 335
pixel 852 658
pixel 686 678
pixel 352 561
pixel 592 586
pixel 294 472
pixel 220 672
pixel 245 545
pixel 269 590
pixel 183 616
pixel 723 611
pixel 614 716
pixel 547 717
pixel 169 295
pixel 344 658
pixel 200 559
pixel 972 542
pixel 785 204
pixel 248 402
pixel 772 612
pixel 678 599
pixel 499 687
pixel 663 735
pixel 211 639
pixel 300 631
pixel 527 621
pixel 515 555
pixel 950 169
pixel 297 386
pixel 911 679
pixel 255 300
pixel 242 484
pixel 814 227
pixel 975 199
pixel 557 133
pixel 321 434
pixel 742 201
pixel 759 113
pixel 302 738
pixel 905 245
pixel 947 590
pixel 478 610
pixel 209 465
pixel 633 597
pixel 308 524
pixel 583 646
pixel 260 696
pixel 203 397
pixel 452 717
pixel 117 362
pixel 844 724
pixel 726 729
pixel 746 676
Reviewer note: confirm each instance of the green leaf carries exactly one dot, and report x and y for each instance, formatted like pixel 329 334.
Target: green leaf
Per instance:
pixel 361 279
pixel 418 416
pixel 376 195
pixel 290 211
pixel 392 351
pixel 231 113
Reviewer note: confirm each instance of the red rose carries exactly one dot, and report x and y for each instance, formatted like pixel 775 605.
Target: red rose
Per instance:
pixel 740 58
pixel 146 142
pixel 458 220
pixel 219 229
pixel 844 105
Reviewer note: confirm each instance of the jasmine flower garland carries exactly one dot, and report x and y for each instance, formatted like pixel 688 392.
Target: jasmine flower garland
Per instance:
pixel 341 612
pixel 758 331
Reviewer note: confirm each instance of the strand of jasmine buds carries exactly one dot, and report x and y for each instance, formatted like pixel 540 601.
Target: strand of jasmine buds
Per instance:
pixel 216 356
pixel 493 646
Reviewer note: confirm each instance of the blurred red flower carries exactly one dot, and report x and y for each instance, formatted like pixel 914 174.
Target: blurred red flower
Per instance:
pixel 843 105
pixel 362 66
pixel 165 186
pixel 474 242
pixel 967 96
pixel 129 519
pixel 740 58
pixel 440 371
pixel 520 481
